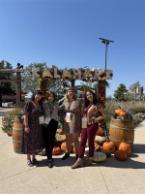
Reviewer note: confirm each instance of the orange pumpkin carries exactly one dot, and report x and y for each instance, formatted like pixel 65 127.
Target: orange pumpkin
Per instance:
pixel 117 111
pixel 121 155
pixel 56 151
pixel 120 111
pixel 108 147
pixel 125 147
pixel 64 148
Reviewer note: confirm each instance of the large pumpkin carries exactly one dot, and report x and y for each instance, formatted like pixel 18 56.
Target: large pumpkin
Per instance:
pixel 125 147
pixel 108 147
pixel 56 150
pixel 121 155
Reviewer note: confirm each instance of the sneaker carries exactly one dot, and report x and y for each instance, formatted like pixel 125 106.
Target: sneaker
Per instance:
pixel 29 163
pixel 50 163
pixel 65 156
pixel 79 163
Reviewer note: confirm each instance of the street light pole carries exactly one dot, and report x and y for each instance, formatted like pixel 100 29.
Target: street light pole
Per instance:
pixel 106 42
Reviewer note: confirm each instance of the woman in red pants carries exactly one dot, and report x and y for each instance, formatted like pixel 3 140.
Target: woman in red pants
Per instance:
pixel 92 114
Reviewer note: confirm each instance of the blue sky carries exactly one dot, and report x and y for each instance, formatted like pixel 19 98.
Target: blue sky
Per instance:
pixel 65 33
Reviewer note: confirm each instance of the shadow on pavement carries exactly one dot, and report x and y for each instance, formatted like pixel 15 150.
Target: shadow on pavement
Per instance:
pixel 113 163
pixel 58 162
pixel 139 148
pixel 110 162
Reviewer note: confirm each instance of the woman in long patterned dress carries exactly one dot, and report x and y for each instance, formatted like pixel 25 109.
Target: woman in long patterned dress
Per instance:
pixel 32 129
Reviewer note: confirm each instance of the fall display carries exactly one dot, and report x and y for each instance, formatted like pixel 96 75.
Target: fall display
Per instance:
pixel 121 127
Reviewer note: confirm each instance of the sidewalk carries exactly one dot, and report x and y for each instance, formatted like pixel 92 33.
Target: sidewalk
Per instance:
pixel 110 177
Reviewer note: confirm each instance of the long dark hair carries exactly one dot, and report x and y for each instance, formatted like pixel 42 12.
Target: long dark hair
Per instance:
pixel 87 102
pixel 54 95
pixel 34 94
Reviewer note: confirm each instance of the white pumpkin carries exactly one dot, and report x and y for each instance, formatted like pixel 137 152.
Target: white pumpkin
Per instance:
pixel 99 157
pixel 100 139
pixel 60 138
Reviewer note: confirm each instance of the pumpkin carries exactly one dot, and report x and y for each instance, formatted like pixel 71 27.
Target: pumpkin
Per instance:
pixel 117 111
pixel 126 147
pixel 120 111
pixel 121 155
pixel 60 138
pixel 64 148
pixel 56 150
pixel 100 139
pixel 60 131
pixel 108 147
pixel 99 157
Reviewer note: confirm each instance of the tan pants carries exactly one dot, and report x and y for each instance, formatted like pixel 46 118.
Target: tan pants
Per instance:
pixel 72 138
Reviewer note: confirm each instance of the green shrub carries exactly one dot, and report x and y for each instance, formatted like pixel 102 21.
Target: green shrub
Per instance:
pixel 8 119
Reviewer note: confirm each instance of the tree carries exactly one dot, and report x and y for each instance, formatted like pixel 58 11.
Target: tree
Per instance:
pixel 137 91
pixel 31 75
pixel 120 93
pixel 6 87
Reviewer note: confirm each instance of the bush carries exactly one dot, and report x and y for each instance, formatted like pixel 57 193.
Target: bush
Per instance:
pixel 8 119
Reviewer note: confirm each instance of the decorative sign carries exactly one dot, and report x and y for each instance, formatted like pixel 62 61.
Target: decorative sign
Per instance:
pixel 79 74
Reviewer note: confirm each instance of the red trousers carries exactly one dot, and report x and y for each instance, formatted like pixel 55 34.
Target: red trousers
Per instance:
pixel 89 134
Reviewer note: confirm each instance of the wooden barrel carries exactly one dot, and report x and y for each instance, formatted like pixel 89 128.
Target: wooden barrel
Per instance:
pixel 121 131
pixel 17 135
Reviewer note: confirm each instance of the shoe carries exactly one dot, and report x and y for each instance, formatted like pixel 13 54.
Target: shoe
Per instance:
pixel 29 163
pixel 50 163
pixel 76 156
pixel 65 156
pixel 79 163
pixel 35 162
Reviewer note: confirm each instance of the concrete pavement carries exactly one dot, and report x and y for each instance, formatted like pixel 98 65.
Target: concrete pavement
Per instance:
pixel 109 177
